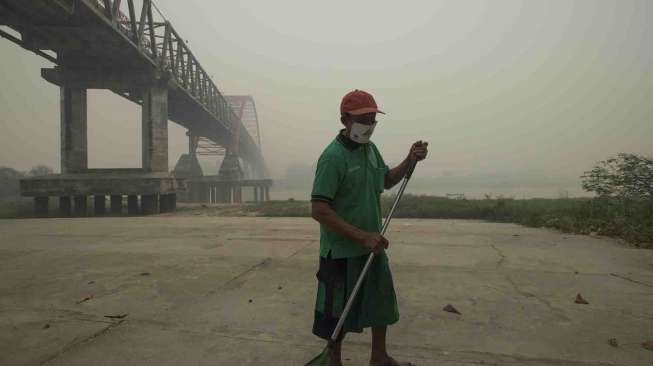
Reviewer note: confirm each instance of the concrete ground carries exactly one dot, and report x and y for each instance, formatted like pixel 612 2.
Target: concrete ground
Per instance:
pixel 197 290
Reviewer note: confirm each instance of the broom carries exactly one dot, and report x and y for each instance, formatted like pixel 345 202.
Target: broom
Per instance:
pixel 323 358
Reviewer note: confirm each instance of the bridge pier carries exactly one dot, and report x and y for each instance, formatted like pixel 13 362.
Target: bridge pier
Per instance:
pixel 155 129
pixel 74 149
pixel 152 182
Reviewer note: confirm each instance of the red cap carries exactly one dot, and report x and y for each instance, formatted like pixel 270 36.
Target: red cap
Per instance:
pixel 358 102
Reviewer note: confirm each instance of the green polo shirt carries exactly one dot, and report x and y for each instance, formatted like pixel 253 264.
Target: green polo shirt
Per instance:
pixel 350 177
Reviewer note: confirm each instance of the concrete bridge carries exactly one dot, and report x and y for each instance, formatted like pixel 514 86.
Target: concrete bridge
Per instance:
pixel 128 47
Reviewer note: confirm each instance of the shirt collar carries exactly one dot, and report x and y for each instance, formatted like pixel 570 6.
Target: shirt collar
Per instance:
pixel 346 141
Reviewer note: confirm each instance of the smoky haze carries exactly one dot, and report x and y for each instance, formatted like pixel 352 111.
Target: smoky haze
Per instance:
pixel 514 97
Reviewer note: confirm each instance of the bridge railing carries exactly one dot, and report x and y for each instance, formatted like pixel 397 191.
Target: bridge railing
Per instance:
pixel 160 42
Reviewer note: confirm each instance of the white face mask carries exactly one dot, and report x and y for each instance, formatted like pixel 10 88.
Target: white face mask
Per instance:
pixel 361 133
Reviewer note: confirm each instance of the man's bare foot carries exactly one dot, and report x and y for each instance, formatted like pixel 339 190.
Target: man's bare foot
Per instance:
pixel 388 361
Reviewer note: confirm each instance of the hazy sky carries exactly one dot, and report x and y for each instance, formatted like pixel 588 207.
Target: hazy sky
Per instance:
pixel 497 87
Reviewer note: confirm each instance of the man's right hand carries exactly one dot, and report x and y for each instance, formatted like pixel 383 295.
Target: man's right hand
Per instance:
pixel 375 242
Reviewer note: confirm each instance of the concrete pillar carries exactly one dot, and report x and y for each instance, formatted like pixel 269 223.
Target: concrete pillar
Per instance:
pixel 194 192
pixel 238 194
pixel 65 207
pixel 99 205
pixel 80 205
pixel 132 204
pixel 206 190
pixel 255 194
pixel 149 204
pixel 155 129
pixel 267 193
pixel 41 206
pixel 165 203
pixel 74 150
pixel 116 204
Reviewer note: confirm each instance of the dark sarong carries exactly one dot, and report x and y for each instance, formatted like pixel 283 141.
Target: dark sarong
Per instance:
pixel 375 304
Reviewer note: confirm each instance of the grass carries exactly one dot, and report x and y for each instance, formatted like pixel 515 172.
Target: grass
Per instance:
pixel 631 221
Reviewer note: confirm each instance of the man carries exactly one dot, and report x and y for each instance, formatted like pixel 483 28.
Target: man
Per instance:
pixel 349 180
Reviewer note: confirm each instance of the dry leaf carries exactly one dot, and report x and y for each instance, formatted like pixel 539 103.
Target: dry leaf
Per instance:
pixel 449 308
pixel 580 300
pixel 648 345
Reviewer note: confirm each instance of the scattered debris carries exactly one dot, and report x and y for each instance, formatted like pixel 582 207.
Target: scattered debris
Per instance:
pixel 250 300
pixel 145 273
pixel 449 308
pixel 648 345
pixel 119 316
pixel 279 288
pixel 613 342
pixel 91 282
pixel 46 326
pixel 85 299
pixel 581 300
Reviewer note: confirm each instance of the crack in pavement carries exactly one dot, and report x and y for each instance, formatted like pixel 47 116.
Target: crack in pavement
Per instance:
pixel 302 248
pixel 554 310
pixel 502 257
pixel 631 280
pixel 76 343
pixel 230 283
pixel 65 314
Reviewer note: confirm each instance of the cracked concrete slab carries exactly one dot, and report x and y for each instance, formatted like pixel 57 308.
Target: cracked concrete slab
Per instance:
pixel 217 290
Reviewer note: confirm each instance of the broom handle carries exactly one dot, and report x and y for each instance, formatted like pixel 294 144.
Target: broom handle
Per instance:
pixel 359 281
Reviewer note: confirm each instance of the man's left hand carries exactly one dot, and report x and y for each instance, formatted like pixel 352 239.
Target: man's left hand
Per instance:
pixel 418 151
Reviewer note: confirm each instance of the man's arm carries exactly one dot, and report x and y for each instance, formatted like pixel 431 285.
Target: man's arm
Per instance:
pixel 395 174
pixel 417 152
pixel 324 214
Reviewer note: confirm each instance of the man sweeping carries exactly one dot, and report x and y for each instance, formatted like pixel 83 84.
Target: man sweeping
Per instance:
pixel 349 180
